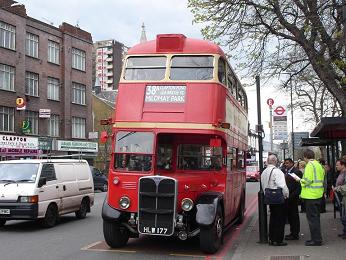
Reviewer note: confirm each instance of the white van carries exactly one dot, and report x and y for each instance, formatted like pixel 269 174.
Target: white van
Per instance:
pixel 45 189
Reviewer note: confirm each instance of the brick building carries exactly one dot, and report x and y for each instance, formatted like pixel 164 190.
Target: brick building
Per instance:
pixel 50 69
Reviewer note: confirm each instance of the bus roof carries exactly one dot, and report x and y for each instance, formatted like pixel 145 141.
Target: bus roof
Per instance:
pixel 175 43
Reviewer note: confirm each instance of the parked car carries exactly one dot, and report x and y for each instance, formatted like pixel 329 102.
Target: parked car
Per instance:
pixel 45 190
pixel 100 180
pixel 252 173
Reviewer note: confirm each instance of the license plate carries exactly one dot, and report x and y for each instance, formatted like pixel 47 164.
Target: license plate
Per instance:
pixel 156 231
pixel 5 212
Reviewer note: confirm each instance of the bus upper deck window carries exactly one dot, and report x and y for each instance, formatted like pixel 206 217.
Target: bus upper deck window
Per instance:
pixel 222 71
pixel 145 68
pixel 192 68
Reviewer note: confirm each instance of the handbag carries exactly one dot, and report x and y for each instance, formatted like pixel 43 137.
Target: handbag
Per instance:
pixel 273 196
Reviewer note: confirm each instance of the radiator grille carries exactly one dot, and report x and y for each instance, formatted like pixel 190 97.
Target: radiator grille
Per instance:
pixel 157 205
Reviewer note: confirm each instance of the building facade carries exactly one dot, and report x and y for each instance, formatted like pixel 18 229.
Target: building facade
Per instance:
pixel 107 64
pixel 45 81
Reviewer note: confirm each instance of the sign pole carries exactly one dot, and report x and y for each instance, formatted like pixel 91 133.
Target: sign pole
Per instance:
pixel 271 128
pixel 262 208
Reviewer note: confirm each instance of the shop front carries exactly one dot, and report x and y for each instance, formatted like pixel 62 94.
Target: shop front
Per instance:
pixel 18 147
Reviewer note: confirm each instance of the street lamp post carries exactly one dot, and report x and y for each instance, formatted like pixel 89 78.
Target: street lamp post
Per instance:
pixel 262 208
pixel 292 119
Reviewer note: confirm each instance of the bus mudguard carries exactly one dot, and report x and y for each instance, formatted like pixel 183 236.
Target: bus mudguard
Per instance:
pixel 207 205
pixel 110 214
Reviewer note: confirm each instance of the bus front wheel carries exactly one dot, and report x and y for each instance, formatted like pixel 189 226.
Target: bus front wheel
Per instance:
pixel 115 235
pixel 210 238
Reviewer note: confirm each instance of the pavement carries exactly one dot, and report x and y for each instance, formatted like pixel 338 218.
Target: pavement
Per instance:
pixel 246 246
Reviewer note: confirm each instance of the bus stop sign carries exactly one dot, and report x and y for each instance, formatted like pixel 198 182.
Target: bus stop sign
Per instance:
pixel 279 111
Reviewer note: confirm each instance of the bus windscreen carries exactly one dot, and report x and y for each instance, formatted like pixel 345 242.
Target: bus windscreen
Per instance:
pixel 192 68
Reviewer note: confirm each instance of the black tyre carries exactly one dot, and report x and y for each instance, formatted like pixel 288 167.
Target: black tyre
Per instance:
pixel 104 187
pixel 115 235
pixel 241 211
pixel 51 217
pixel 210 239
pixel 2 222
pixel 83 209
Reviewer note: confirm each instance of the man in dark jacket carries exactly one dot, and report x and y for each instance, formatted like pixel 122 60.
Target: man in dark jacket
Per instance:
pixel 292 202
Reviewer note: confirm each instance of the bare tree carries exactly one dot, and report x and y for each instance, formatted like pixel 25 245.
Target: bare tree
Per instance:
pixel 313 98
pixel 277 36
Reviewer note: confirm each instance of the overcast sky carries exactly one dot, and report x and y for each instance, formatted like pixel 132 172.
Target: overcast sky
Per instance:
pixel 122 19
pixel 117 19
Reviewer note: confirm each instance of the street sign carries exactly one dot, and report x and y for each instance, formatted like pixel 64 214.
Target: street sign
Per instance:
pixel 280 123
pixel 270 102
pixel 44 113
pixel 279 111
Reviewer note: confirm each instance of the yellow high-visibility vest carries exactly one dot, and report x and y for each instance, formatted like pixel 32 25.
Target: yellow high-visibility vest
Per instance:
pixel 312 181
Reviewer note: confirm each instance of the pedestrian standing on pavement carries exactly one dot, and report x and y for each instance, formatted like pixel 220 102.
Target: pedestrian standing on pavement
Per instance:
pixel 291 203
pixel 312 192
pixel 341 188
pixel 301 167
pixel 323 201
pixel 272 177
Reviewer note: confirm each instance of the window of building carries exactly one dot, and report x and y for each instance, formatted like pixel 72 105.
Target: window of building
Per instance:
pixel 31 84
pixel 145 68
pixel 78 93
pixel 32 117
pixel 78 127
pixel 6 119
pixel 53 52
pixel 6 77
pixel 192 68
pixel 53 89
pixel 7 36
pixel 31 45
pixel 53 125
pixel 78 59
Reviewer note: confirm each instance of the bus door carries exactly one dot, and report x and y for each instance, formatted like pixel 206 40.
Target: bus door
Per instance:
pixel 230 210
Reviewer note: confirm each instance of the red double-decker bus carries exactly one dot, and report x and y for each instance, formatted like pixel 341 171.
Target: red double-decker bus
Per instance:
pixel 179 141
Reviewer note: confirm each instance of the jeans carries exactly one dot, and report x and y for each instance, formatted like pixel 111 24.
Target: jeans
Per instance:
pixel 343 217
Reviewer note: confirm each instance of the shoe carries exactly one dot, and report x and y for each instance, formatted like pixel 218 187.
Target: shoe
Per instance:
pixel 280 244
pixel 341 235
pixel 291 237
pixel 313 243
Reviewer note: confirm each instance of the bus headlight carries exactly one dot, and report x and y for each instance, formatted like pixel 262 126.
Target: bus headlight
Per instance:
pixel 186 204
pixel 124 202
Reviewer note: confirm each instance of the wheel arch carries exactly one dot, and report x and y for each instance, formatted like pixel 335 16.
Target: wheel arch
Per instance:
pixel 207 205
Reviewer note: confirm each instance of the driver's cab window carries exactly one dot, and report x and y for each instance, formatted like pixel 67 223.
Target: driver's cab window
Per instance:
pixel 48 172
pixel 241 160
pixel 164 157
pixel 231 155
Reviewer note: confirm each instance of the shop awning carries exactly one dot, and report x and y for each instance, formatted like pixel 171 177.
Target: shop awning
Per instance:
pixel 315 142
pixel 330 128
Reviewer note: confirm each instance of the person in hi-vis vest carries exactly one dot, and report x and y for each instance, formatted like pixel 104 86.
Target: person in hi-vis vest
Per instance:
pixel 312 191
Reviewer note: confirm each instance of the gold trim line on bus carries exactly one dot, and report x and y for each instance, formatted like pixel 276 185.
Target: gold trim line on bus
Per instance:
pixel 168 125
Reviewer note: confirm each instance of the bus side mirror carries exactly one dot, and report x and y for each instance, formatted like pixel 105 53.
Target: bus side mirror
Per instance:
pixel 103 137
pixel 107 121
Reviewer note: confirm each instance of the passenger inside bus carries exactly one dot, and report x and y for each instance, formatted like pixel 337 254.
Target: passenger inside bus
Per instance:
pixel 216 163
